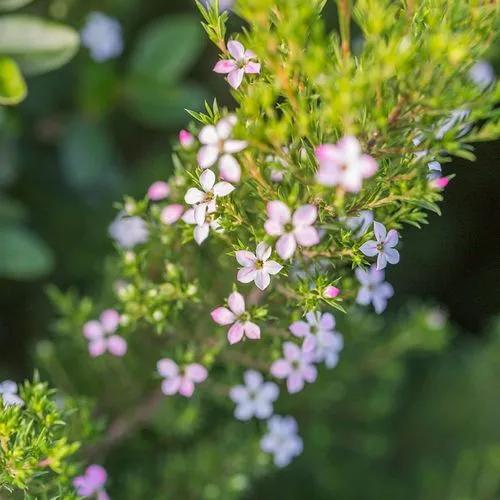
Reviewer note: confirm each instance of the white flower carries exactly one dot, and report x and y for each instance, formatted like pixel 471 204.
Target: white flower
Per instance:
pixel 8 393
pixel 128 231
pixel 201 232
pixel 205 201
pixel 102 35
pixel 218 146
pixel 257 267
pixel 255 398
pixel 282 440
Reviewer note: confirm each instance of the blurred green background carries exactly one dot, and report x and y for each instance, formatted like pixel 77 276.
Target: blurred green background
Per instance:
pixel 91 132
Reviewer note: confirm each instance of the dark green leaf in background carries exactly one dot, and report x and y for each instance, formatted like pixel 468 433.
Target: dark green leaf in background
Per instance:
pixel 23 255
pixel 35 44
pixel 13 4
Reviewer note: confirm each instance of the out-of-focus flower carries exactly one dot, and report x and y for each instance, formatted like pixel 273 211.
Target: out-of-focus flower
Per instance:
pixel 236 316
pixel 128 231
pixel 217 145
pixel 331 292
pixel 440 182
pixel 186 139
pixel 158 191
pixel 282 440
pixel 457 116
pixel 242 63
pixel 373 289
pixel 92 482
pixel 201 232
pixel 102 337
pixel 257 267
pixel 180 381
pixel 296 367
pixel 205 201
pixel 294 230
pixel 383 247
pixel 8 394
pixel 255 398
pixel 102 35
pixel 316 325
pixel 482 74
pixel 343 164
pixel 359 224
pixel 171 214
pixel 223 4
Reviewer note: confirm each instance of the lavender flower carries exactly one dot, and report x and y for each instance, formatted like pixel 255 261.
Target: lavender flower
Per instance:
pixel 102 35
pixel 282 440
pixel 373 289
pixel 383 247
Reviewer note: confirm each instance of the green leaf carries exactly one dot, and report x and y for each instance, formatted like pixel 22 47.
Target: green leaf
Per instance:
pixel 158 106
pixel 13 4
pixel 11 210
pixel 23 255
pixel 167 48
pixel 37 45
pixel 12 84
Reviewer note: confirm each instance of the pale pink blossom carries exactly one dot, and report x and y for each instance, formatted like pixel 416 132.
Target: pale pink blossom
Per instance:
pixel 296 366
pixel 92 483
pixel 186 139
pixel 171 214
pixel 204 200
pixel 382 246
pixel 257 267
pixel 440 182
pixel 102 337
pixel 158 191
pixel 177 380
pixel 219 147
pixel 202 232
pixel 238 318
pixel 242 62
pixel 331 292
pixel 343 164
pixel 292 230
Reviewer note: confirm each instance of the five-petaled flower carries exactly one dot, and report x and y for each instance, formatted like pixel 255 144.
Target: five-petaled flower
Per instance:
pixel 242 62
pixel 177 380
pixel 257 267
pixel 382 246
pixel 344 165
pixel 202 231
pixel 282 440
pixel 317 329
pixel 8 394
pixel 373 289
pixel 102 337
pixel 238 317
pixel 292 230
pixel 296 367
pixel 255 398
pixel 92 483
pixel 205 201
pixel 218 146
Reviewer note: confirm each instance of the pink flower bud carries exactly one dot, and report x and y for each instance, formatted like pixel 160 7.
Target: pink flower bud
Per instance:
pixel 171 214
pixel 331 292
pixel 186 139
pixel 440 182
pixel 158 191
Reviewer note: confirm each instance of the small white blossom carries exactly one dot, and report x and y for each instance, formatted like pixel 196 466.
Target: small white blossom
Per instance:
pixel 256 266
pixel 282 440
pixel 8 393
pixel 128 231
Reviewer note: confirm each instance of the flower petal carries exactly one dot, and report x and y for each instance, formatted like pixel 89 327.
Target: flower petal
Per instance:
pixel 110 319
pixel 225 66
pixel 188 217
pixel 167 368
pixel 234 146
pixel 97 347
pixel 230 169
pixel 201 233
pixel 171 214
pixel 223 316
pixel 262 279
pixel 200 212
pixel 207 180
pixel 171 386
pixel 235 333
pixel 193 196
pixel 208 135
pixel 279 212
pixel 327 321
pixel 300 328
pixel 252 68
pixel 196 372
pixel 252 331
pixel 207 156
pixel 236 303
pixel 294 383
pixel 392 238
pixel 369 248
pixel 307 236
pixel 253 379
pixel 272 267
pixel 305 215
pixel 223 188
pixel 392 255
pixel 235 78
pixel 186 388
pixel 286 245
pixel 381 261
pixel 273 227
pixel 291 351
pixel 117 345
pixel 245 258
pixel 93 330
pixel 380 231
pixel 246 275
pixel 280 368
pixel 236 49
pixel 263 251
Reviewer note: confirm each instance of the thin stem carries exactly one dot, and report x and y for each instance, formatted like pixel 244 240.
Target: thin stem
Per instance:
pixel 344 9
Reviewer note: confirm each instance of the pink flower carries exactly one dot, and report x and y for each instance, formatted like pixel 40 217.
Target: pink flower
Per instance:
pixel 102 337
pixel 92 482
pixel 292 230
pixel 158 191
pixel 219 147
pixel 241 63
pixel 238 318
pixel 180 381
pixel 296 367
pixel 331 292
pixel 344 165
pixel 171 214
pixel 205 201
pixel 257 267
pixel 440 182
pixel 186 139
